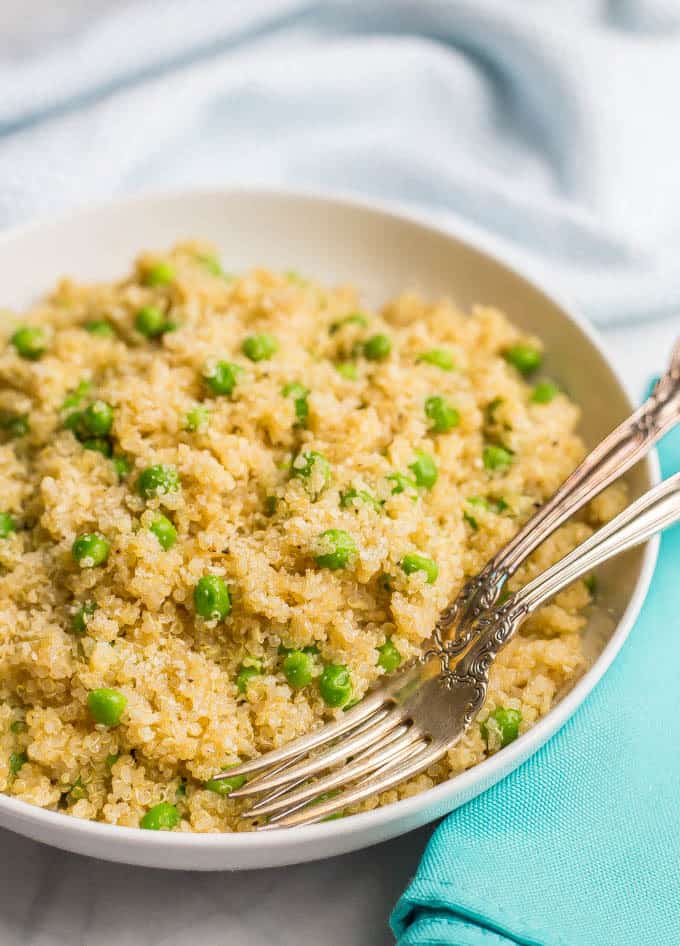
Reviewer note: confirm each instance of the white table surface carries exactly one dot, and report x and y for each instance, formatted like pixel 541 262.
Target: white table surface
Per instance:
pixel 49 898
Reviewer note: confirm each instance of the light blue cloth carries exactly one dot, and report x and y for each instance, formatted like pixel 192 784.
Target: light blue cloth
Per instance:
pixel 549 124
pixel 581 845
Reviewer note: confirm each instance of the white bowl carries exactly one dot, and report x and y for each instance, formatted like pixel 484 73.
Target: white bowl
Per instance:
pixel 382 252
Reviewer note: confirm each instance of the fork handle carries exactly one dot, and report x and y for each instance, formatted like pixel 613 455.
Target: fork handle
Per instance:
pixel 619 451
pixel 655 510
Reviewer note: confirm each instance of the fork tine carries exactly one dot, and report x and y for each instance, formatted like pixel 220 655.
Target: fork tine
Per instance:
pixel 402 737
pixel 289 786
pixel 349 720
pixel 416 758
pixel 291 767
pixel 346 747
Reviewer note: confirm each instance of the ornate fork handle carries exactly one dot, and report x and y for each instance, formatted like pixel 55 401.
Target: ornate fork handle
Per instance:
pixel 619 451
pixel 654 511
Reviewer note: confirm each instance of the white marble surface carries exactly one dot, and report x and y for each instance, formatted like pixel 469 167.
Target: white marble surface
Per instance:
pixel 49 898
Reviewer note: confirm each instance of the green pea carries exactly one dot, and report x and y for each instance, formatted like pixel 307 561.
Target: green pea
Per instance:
pixel 212 264
pixel 479 501
pixel 337 549
pixel 99 327
pixel 246 672
pixel 106 706
pixel 79 618
pixel 413 562
pixel 122 466
pixel 442 415
pixel 313 466
pixel 164 531
pixel 335 685
pixel 439 357
pixel 353 496
pixel 348 370
pixel 505 722
pixel 158 480
pixel 75 397
pixel 197 418
pixel 98 418
pixel 111 760
pixel 544 392
pixel 159 275
pixel 7 525
pixel 211 598
pixel 30 343
pixel 90 549
pixel 16 425
pixel 294 389
pixel 299 393
pixel 526 358
pixel 259 347
pixel 377 347
pixel 16 762
pixel 496 458
pixel 424 469
pixel 99 445
pixel 151 322
pixel 162 817
pixel 402 483
pixel 73 422
pixel 18 726
pixel 297 669
pixel 223 377
pixel 389 657
pixel 225 786
pixel 356 318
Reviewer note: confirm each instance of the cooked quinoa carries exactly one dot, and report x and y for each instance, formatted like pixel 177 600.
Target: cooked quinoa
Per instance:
pixel 229 505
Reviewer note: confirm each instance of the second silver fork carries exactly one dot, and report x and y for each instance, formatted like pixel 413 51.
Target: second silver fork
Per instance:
pixel 407 726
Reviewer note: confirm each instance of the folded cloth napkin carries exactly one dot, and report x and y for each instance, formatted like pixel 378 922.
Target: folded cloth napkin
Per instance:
pixel 581 845
pixel 548 124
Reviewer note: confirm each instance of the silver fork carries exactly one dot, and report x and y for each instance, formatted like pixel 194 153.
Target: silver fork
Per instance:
pixel 612 457
pixel 456 625
pixel 420 714
pixel 367 723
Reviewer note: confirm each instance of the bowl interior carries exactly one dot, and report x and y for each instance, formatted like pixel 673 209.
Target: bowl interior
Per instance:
pixel 332 241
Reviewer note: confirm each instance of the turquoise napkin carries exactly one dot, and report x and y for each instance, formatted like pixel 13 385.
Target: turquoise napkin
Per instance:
pixel 581 845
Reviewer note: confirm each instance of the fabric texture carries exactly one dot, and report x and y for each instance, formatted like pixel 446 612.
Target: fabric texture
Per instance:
pixel 549 126
pixel 539 121
pixel 581 845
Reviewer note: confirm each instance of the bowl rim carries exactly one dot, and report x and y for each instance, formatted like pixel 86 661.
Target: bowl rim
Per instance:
pixel 451 227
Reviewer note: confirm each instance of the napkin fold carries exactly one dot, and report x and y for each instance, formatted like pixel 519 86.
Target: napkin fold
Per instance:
pixel 580 846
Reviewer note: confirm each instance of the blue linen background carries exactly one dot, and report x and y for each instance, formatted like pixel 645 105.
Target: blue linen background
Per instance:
pixel 549 124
